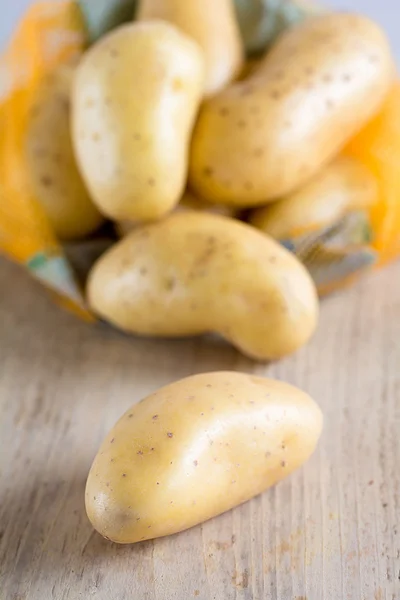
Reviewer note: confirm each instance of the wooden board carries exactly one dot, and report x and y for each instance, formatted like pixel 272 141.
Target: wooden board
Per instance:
pixel 330 532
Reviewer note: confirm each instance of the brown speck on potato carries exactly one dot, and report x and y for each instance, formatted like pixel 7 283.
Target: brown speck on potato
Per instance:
pixel 267 454
pixel 114 52
pixel 195 462
pixel 251 402
pixel 143 271
pixel 108 484
pixel 224 111
pixel 283 464
pixel 208 171
pixel 130 416
pixel 151 182
pixel 177 84
pixel 158 483
pixel 190 397
pixel 255 427
pixel 154 417
pixel 170 283
pixel 170 435
pixel 137 518
pixel 94 497
pixel 233 481
pixel 112 441
pixel 137 136
pixel 202 414
pixel 46 181
pixel 327 78
pixel 142 538
pixel 275 94
pixel 208 385
pixel 152 449
pixel 112 460
pixel 242 124
pixel 140 452
pixel 123 474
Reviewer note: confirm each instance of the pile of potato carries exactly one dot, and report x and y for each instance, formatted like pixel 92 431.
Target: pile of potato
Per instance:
pixel 179 141
pixel 203 162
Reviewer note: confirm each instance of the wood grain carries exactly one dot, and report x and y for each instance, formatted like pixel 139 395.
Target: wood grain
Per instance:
pixel 329 532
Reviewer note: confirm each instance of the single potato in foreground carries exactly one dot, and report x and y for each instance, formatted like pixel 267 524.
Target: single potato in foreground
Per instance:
pixel 50 162
pixel 195 273
pixel 213 25
pixel 266 136
pixel 136 95
pixel 195 449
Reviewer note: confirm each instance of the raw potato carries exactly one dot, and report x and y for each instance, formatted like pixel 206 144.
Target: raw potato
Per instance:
pixel 136 95
pixel 194 273
pixel 50 161
pixel 195 449
pixel 268 135
pixel 213 25
pixel 188 202
pixel 344 186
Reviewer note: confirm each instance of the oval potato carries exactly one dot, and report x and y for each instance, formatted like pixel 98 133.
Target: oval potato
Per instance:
pixel 136 95
pixel 343 186
pixel 195 273
pixel 195 449
pixel 213 25
pixel 268 135
pixel 50 161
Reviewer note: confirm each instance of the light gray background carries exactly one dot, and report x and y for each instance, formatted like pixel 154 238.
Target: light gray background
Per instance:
pixel 387 12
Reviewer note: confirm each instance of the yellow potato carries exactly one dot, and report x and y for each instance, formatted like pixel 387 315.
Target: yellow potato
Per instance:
pixel 188 202
pixel 344 186
pixel 196 272
pixel 50 161
pixel 195 449
pixel 136 95
pixel 213 25
pixel 266 136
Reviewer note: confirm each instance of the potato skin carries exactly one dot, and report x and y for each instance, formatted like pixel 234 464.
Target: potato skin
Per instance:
pixel 136 95
pixel 194 273
pixel 268 135
pixel 343 186
pixel 50 162
pixel 213 25
pixel 195 449
pixel 188 202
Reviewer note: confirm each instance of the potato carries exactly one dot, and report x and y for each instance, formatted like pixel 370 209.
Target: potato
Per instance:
pixel 213 25
pixel 50 162
pixel 136 95
pixel 196 272
pixel 188 202
pixel 344 186
pixel 268 135
pixel 195 449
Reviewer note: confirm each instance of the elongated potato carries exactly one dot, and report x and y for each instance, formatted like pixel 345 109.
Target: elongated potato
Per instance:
pixel 213 25
pixel 194 273
pixel 197 448
pixel 268 135
pixel 343 186
pixel 136 95
pixel 50 161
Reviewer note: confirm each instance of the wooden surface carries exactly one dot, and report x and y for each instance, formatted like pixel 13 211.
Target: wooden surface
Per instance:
pixel 330 532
